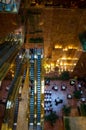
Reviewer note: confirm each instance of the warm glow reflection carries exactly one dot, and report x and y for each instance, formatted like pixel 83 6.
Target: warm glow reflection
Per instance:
pixel 35 86
pixel 68 58
pixel 12 65
pixel 52 66
pixel 61 63
pixel 67 64
pixel 65 49
pixel 74 63
pixel 65 61
pixel 58 46
pixel 72 47
pixel 49 67
pixel 42 86
pixel 13 75
pixel 65 68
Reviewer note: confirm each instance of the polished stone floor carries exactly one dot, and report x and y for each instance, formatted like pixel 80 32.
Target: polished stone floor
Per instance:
pixel 22 122
pixel 61 94
pixel 57 126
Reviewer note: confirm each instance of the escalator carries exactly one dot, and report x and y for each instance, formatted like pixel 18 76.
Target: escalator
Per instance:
pixel 5 67
pixel 31 92
pixel 11 111
pixel 4 48
pixel 35 75
pixel 39 89
pixel 8 54
pixel 16 113
pixel 17 100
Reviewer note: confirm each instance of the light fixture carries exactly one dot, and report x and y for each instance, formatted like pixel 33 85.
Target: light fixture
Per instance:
pixel 58 46
pixel 65 49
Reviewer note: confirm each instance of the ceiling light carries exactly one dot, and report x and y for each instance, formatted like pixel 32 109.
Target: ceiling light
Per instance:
pixel 74 63
pixel 65 49
pixel 20 56
pixel 63 58
pixel 65 64
pixel 57 60
pixel 70 47
pixel 41 23
pixel 61 63
pixel 58 46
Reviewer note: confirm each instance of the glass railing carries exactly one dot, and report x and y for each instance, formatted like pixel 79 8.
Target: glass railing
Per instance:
pixel 8 54
pixel 16 111
pixel 5 67
pixel 15 79
pixel 4 49
pixel 11 6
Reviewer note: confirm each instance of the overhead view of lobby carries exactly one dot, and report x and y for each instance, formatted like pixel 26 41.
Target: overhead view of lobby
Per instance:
pixel 42 64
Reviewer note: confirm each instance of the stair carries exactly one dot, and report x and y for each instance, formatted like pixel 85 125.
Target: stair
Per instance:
pixel 32 91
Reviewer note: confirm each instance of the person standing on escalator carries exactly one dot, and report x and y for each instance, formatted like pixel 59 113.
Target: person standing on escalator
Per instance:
pixel 31 86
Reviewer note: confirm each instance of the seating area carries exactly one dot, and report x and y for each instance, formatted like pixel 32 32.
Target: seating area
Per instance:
pixel 62 95
pixel 47 101
pixel 55 87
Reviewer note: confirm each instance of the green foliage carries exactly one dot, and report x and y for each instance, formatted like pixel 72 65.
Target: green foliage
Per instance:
pixel 82 38
pixel 65 75
pixel 36 31
pixel 67 124
pixel 66 110
pixel 83 109
pixel 52 78
pixel 34 12
pixel 77 94
pixel 22 19
pixel 36 40
pixel 52 117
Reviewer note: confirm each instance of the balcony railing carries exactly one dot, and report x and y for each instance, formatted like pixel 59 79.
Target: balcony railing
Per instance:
pixel 11 6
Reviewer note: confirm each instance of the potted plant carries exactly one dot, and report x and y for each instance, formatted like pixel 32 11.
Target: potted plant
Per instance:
pixel 77 94
pixel 52 117
pixel 66 110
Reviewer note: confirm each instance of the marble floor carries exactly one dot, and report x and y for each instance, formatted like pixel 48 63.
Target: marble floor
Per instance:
pixel 22 122
pixel 61 94
pixel 57 126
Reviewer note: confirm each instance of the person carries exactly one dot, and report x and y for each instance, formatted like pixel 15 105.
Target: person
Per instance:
pixel 31 86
